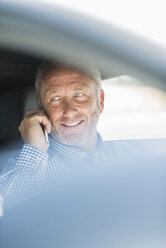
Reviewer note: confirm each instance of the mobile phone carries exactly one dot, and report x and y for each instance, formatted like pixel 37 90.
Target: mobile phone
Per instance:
pixel 45 134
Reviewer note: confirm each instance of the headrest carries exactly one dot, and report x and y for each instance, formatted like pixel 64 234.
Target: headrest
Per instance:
pixel 29 100
pixel 10 115
pixel 13 106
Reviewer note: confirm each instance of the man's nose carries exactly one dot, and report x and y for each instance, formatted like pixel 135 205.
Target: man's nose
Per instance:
pixel 69 108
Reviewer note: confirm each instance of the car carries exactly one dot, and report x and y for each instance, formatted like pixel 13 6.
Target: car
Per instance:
pixel 31 33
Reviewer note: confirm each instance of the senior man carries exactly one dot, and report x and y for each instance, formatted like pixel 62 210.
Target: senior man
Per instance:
pixel 71 101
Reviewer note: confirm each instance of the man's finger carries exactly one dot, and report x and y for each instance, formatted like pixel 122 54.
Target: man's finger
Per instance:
pixel 46 123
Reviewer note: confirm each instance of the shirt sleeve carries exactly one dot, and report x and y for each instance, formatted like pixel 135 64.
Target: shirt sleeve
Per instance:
pixel 22 173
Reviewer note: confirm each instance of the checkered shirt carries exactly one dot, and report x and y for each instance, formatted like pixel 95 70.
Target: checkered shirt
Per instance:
pixel 32 166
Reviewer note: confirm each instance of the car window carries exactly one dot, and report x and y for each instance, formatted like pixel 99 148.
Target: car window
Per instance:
pixel 133 110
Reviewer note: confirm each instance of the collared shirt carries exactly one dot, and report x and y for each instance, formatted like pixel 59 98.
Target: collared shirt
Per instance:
pixel 32 166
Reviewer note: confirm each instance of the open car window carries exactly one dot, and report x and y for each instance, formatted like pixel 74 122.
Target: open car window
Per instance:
pixel 133 110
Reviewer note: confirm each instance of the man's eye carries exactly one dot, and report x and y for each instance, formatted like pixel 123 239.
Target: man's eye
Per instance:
pixel 55 98
pixel 78 94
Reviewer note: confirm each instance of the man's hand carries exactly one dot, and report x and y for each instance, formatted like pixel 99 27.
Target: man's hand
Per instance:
pixel 31 130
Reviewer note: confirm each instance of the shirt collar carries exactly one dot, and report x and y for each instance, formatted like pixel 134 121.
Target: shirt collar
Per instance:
pixel 100 142
pixel 71 152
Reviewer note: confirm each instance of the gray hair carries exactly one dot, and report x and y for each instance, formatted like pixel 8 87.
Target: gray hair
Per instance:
pixel 46 67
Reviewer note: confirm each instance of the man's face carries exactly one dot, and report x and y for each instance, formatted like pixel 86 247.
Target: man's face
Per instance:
pixel 71 102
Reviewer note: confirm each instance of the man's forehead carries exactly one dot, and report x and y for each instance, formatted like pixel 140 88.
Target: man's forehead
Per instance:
pixel 65 74
pixel 48 89
pixel 67 78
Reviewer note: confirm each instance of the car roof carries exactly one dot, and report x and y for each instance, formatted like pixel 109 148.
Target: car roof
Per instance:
pixel 57 32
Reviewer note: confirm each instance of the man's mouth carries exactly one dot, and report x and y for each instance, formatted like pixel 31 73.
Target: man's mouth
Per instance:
pixel 74 124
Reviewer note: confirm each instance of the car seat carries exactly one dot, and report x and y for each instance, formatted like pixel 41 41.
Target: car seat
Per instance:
pixel 13 106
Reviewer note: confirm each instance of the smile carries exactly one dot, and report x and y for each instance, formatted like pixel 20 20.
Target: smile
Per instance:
pixel 72 124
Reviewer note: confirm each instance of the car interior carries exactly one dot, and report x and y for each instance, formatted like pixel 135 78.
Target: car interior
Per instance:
pixel 17 95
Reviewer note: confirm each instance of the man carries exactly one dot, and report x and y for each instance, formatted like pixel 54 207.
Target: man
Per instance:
pixel 71 101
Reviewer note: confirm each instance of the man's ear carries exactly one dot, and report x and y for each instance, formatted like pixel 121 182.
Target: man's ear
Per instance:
pixel 101 100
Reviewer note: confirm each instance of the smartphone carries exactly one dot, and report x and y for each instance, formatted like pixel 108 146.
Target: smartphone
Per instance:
pixel 45 134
